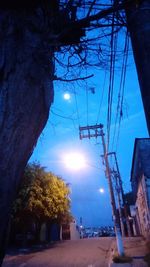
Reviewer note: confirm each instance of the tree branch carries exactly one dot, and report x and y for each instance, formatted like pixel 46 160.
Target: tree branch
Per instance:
pixel 85 22
pixel 72 80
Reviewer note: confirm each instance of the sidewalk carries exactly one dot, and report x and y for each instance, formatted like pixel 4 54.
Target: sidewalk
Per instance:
pixel 30 249
pixel 134 247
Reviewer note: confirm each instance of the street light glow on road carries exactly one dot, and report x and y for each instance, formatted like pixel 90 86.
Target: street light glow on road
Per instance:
pixel 74 160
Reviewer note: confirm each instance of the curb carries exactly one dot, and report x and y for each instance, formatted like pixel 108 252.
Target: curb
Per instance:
pixel 113 264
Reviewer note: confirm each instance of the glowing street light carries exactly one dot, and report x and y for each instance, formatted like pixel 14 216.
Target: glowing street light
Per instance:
pixel 74 160
pixel 66 96
pixel 101 190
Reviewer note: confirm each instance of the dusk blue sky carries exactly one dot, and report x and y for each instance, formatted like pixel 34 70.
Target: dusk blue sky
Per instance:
pixel 61 136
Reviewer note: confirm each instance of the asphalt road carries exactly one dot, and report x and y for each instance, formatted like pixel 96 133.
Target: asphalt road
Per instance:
pixel 92 252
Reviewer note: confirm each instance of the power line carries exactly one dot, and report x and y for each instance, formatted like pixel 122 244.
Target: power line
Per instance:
pixel 61 116
pixel 77 109
pixel 101 100
pixel 119 110
pixel 113 44
pixel 122 98
pixel 87 103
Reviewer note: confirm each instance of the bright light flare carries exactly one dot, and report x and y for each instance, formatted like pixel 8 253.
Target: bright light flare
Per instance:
pixel 66 96
pixel 101 190
pixel 74 161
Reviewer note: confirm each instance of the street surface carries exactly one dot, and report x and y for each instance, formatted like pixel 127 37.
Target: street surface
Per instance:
pixel 92 252
pixel 78 253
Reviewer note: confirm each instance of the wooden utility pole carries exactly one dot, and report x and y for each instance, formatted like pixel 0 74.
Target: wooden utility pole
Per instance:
pixel 95 131
pixel 120 202
pixel 123 198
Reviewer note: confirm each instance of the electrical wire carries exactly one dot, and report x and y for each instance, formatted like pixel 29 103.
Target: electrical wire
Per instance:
pixel 113 44
pixel 101 100
pixel 86 85
pixel 77 109
pixel 61 116
pixel 87 104
pixel 123 88
pixel 119 110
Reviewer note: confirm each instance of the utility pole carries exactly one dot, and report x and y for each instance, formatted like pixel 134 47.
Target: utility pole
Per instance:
pixel 119 191
pixel 122 193
pixel 95 131
pixel 120 202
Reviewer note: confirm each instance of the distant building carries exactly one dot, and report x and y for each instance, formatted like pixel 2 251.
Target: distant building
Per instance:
pixel 140 182
pixel 70 231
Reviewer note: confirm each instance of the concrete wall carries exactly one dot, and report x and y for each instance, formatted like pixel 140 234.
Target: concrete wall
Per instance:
pixel 74 232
